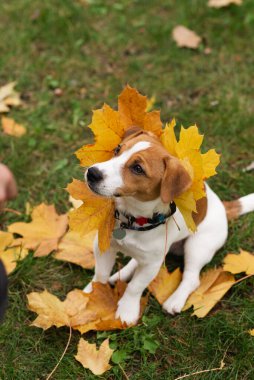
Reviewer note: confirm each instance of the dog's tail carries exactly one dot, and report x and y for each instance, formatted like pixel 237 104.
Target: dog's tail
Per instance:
pixel 239 207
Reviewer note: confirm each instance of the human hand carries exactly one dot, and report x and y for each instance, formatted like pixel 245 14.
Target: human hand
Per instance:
pixel 8 187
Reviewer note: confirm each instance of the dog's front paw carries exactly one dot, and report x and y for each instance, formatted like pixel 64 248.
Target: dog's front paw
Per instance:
pixel 128 310
pixel 88 288
pixel 174 304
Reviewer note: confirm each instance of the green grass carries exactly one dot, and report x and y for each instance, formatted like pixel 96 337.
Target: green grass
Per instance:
pixel 90 50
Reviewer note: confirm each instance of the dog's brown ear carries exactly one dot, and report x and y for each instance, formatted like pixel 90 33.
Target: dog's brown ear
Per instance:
pixel 175 181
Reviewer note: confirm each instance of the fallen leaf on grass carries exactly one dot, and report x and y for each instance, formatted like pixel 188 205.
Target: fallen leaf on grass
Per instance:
pixel 95 360
pixel 185 37
pixel 97 213
pixel 44 231
pixel 8 97
pixel 77 249
pixel 165 284
pixel 238 263
pixel 53 312
pixel 6 239
pixel 11 128
pixel 10 256
pixel 222 3
pixel 214 284
pixel 251 332
pixel 81 311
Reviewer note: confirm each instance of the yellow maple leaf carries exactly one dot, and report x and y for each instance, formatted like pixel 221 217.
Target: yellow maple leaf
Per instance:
pixel 238 263
pixel 10 127
pixel 108 131
pixel 199 166
pixel 77 249
pixel 10 256
pixel 53 312
pixel 43 233
pixel 165 284
pixel 214 284
pixel 96 213
pixel 95 360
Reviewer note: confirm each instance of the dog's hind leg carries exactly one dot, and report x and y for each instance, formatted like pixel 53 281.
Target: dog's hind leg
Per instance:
pixel 199 251
pixel 125 273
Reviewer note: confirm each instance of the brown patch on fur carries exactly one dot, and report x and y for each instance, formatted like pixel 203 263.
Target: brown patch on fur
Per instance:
pixel 144 187
pixel 233 209
pixel 199 216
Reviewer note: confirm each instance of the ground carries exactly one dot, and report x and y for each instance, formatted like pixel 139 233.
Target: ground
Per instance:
pixel 91 49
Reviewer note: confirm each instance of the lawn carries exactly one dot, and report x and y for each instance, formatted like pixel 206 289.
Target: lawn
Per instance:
pixel 90 50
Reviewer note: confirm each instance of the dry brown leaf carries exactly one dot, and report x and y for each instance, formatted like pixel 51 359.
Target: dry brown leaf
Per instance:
pixel 11 128
pixel 43 233
pixel 238 263
pixel 185 37
pixel 9 97
pixel 223 3
pixel 81 311
pixel 95 360
pixel 10 256
pixel 77 249
pixel 165 284
pixel 97 213
pixel 251 332
pixel 214 284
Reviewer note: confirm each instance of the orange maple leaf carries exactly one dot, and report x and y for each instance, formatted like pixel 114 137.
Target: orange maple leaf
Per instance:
pixel 81 311
pixel 109 125
pixel 96 213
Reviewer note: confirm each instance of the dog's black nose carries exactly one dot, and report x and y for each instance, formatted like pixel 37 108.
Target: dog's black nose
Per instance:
pixel 94 175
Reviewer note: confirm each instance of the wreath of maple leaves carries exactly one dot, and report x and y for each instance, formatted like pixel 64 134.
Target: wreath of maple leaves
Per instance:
pixel 108 126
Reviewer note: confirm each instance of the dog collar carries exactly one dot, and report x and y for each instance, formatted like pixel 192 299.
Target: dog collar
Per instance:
pixel 141 223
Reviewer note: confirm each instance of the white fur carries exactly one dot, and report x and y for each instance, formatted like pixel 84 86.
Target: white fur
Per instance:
pixel 148 248
pixel 112 170
pixel 247 204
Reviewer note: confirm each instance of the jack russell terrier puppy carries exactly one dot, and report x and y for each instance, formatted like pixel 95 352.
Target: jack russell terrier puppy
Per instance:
pixel 144 179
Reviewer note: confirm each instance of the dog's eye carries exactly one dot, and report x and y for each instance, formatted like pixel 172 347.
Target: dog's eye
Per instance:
pixel 117 150
pixel 137 169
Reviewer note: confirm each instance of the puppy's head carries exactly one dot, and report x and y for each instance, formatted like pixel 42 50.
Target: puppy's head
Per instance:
pixel 141 168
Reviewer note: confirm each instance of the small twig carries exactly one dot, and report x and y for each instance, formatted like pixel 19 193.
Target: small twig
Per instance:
pixel 11 210
pixel 123 371
pixel 244 278
pixel 220 368
pixel 204 371
pixel 61 358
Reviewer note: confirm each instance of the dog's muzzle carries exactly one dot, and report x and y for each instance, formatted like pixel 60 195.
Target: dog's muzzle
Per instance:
pixel 93 177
